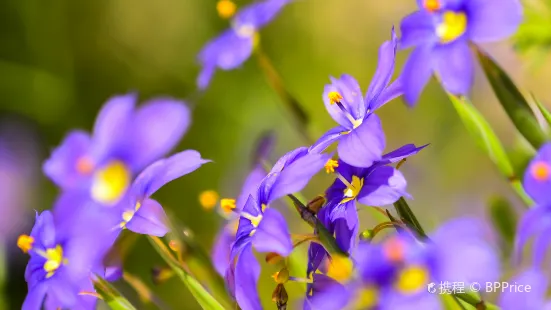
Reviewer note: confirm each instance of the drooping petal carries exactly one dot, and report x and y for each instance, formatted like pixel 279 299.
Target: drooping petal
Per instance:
pixel 418 29
pixel 247 273
pixel 384 186
pixel 352 100
pixel 537 178
pixel 35 297
pixel 296 176
pixel 363 145
pixel 221 251
pixel 416 73
pixel 272 234
pixel 327 139
pixel 532 300
pixel 384 72
pixel 70 166
pixel 157 126
pixel 493 20
pixel 150 219
pixel 163 171
pixel 111 126
pixel 401 153
pixel 453 63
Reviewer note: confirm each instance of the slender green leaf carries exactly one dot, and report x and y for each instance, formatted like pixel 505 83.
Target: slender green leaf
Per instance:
pixel 405 213
pixel 204 298
pixel 485 137
pixel 513 101
pixel 544 111
pixel 110 295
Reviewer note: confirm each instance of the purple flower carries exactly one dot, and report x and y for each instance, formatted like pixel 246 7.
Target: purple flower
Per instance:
pixel 537 178
pixel 394 274
pixel 441 32
pixel 529 299
pixel 378 185
pixel 360 135
pixel 264 227
pixel 62 262
pixel 125 140
pixel 235 45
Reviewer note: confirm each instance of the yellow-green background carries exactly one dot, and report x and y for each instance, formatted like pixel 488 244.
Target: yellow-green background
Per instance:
pixel 61 60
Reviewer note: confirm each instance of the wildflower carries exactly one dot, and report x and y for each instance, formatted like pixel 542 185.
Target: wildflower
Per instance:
pixel 537 178
pixel 360 135
pixel 377 185
pixel 62 263
pixel 394 274
pixel 441 32
pixel 124 141
pixel 234 46
pixel 265 228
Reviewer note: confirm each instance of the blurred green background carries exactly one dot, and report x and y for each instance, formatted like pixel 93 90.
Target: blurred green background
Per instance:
pixel 61 60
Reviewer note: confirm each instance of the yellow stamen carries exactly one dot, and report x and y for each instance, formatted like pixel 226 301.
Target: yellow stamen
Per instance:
pixel 432 5
pixel 452 27
pixel 282 276
pixel 334 97
pixel 208 199
pixel 226 8
pixel 541 171
pixel 127 216
pixel 340 268
pixel 352 191
pixel 54 259
pixel 330 165
pixel 412 279
pixel 110 182
pixel 366 298
pixel 84 165
pixel 227 205
pixel 25 243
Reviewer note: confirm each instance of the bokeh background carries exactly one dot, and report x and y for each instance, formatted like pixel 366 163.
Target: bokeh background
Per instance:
pixel 61 60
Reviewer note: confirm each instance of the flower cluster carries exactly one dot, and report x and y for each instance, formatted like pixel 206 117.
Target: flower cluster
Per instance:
pixel 107 179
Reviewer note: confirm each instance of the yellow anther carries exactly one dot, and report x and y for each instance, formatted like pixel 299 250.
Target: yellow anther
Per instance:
pixel 282 276
pixel 340 268
pixel 25 243
pixel 453 25
pixel 227 205
pixel 54 259
pixel 394 250
pixel 541 171
pixel 110 182
pixel 431 5
pixel 84 165
pixel 330 165
pixel 128 215
pixel 352 191
pixel 334 97
pixel 208 199
pixel 366 298
pixel 226 8
pixel 412 279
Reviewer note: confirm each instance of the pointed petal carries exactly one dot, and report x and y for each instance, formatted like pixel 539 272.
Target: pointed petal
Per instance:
pixel 417 29
pixel 346 229
pixel 296 176
pixel 247 273
pixel 537 178
pixel 164 171
pixel 416 74
pixel 111 126
pixel 493 20
pixel 401 153
pixel 272 234
pixel 363 145
pixel 384 72
pixel 63 166
pixel 157 126
pixel 316 256
pixel 150 219
pixel 327 139
pixel 384 186
pixel 453 64
pixel 227 51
